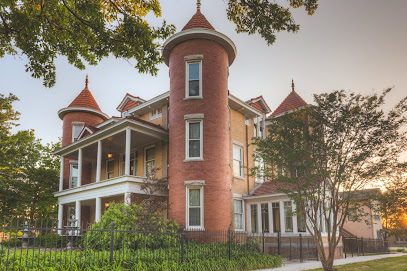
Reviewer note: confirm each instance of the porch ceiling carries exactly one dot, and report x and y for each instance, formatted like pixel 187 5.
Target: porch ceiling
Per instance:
pixel 113 139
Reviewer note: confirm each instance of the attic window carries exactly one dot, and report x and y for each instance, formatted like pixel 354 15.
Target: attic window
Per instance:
pixel 155 114
pixel 76 129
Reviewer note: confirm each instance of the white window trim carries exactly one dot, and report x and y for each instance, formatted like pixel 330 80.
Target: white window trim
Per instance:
pixel 241 169
pixel 107 168
pixel 76 123
pixel 187 188
pixel 71 164
pixel 243 213
pixel 187 158
pixel 145 159
pixel 187 62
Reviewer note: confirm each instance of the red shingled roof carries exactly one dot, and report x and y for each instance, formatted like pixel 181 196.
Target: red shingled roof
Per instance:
pixel 269 188
pixel 198 21
pixel 292 101
pixel 85 99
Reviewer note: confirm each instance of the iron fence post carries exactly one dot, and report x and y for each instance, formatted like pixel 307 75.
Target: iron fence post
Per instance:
pixel 344 246
pixel 363 248
pixel 279 242
pixel 301 256
pixel 357 245
pixel 182 243
pixel 111 241
pixel 263 240
pixel 230 243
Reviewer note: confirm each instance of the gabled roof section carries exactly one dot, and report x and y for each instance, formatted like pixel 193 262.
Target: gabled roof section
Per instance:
pixel 260 104
pixel 87 130
pixel 198 21
pixel 129 101
pixel 292 101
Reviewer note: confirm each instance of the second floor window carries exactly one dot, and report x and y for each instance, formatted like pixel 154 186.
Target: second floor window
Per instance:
pixel 149 160
pixel 76 129
pixel 238 161
pixel 73 180
pixel 133 163
pixel 193 80
pixel 109 169
pixel 194 139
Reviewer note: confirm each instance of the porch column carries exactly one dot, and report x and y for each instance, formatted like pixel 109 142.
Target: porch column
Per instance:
pixel 259 218
pixel 127 198
pixel 78 213
pixel 60 218
pixel 79 167
pixel 271 228
pixel 61 175
pixel 258 125
pixel 295 224
pixel 99 162
pixel 98 214
pixel 282 217
pixel 127 159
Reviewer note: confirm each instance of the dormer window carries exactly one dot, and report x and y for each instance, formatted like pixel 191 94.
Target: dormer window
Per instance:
pixel 76 129
pixel 155 114
pixel 193 74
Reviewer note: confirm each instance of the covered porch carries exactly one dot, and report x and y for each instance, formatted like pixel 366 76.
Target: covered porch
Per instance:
pixel 109 165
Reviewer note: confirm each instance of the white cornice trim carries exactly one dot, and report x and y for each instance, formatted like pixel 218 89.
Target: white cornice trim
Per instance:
pixel 148 103
pixel 244 106
pixel 199 33
pixel 63 111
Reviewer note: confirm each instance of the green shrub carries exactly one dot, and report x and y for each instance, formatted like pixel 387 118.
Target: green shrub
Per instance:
pixel 401 250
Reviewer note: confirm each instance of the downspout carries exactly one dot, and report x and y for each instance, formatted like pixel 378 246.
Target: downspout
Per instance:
pixel 247 157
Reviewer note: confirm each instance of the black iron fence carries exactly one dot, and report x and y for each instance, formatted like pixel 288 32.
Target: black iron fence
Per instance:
pixel 361 246
pixel 293 247
pixel 40 244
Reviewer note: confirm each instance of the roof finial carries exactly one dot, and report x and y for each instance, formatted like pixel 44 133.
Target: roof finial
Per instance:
pixel 292 84
pixel 198 5
pixel 86 82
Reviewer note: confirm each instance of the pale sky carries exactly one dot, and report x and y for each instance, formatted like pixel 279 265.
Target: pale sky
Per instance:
pixel 358 45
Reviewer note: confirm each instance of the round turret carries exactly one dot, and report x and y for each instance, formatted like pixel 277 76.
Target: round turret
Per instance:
pixel 199 174
pixel 83 111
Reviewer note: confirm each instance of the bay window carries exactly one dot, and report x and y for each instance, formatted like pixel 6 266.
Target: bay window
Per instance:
pixel 149 160
pixel 253 218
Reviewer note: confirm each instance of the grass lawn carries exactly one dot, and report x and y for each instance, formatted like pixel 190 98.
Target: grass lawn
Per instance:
pixel 386 264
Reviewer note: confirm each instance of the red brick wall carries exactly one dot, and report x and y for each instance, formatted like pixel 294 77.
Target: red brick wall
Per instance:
pixel 214 170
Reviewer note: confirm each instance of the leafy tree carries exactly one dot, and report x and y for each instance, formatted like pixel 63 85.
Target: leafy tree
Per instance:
pixel 319 154
pixel 393 201
pixel 89 30
pixel 28 170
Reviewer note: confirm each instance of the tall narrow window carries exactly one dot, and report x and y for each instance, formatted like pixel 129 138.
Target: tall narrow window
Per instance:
pixel 238 170
pixel 194 208
pixel 239 214
pixel 258 162
pixel 253 218
pixel 73 182
pixel 301 223
pixel 109 169
pixel 276 216
pixel 194 139
pixel 133 163
pixel 194 83
pixel 265 217
pixel 288 215
pixel 149 160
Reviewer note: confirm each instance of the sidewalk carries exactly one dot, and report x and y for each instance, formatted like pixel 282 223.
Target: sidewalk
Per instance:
pixel 292 266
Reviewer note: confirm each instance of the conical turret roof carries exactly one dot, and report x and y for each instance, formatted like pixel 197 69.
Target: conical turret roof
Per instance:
pixel 292 101
pixel 198 21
